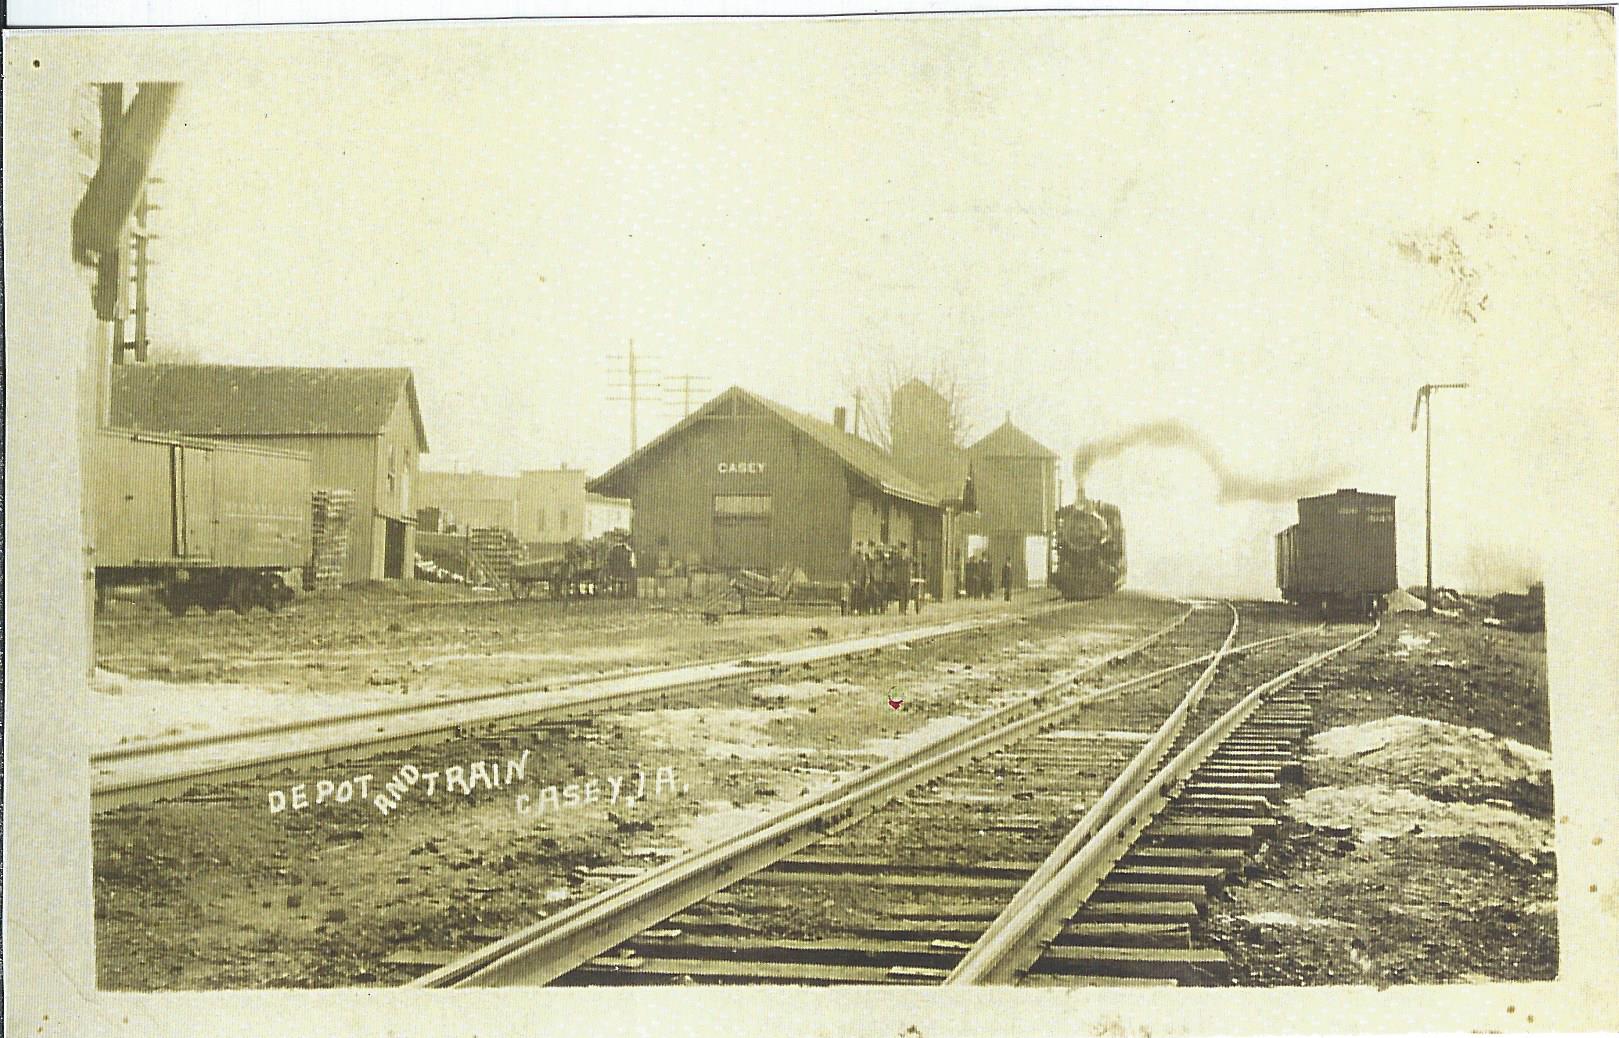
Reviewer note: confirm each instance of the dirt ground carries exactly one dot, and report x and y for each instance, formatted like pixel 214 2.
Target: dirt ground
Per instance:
pixel 374 646
pixel 218 889
pixel 1419 848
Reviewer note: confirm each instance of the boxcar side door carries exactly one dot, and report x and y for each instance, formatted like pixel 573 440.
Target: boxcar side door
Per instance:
pixel 196 505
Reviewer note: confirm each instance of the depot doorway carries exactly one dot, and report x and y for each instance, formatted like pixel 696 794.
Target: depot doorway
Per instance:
pixel 742 531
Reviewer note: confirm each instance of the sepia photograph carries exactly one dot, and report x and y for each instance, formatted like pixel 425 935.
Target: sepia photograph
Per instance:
pixel 1094 504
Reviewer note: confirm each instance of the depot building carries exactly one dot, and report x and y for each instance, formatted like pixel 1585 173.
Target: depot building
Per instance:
pixel 746 483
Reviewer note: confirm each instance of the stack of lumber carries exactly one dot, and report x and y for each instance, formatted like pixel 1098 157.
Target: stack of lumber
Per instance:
pixel 333 517
pixel 493 550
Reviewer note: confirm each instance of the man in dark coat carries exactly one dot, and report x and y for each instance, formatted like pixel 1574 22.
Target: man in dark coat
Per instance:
pixel 1006 578
pixel 879 578
pixel 902 576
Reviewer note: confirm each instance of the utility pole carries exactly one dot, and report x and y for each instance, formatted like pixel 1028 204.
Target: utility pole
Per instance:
pixel 1425 396
pixel 687 384
pixel 111 274
pixel 633 387
pixel 141 237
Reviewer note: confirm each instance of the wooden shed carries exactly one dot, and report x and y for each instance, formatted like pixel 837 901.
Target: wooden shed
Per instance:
pixel 361 427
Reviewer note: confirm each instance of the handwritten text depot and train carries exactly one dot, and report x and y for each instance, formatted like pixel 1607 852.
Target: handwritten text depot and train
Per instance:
pixel 411 782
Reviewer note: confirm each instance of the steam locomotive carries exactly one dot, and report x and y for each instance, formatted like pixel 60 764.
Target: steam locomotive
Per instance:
pixel 1090 550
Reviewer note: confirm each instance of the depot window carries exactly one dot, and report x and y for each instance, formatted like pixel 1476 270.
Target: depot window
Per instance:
pixel 742 504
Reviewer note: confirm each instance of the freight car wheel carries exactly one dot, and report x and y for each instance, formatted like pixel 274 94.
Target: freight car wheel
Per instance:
pixel 273 593
pixel 241 595
pixel 174 599
pixel 521 589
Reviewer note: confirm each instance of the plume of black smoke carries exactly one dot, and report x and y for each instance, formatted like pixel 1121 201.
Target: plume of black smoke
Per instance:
pixel 1233 486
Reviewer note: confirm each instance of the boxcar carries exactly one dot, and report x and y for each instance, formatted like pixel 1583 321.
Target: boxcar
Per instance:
pixel 210 524
pixel 1340 555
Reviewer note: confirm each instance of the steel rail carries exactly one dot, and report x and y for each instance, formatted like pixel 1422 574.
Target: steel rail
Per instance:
pixel 1069 678
pixel 546 950
pixel 1018 936
pixel 569 682
pixel 1127 782
pixel 567 702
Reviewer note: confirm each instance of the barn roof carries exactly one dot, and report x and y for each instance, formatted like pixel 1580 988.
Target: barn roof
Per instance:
pixel 1008 441
pixel 867 460
pixel 247 400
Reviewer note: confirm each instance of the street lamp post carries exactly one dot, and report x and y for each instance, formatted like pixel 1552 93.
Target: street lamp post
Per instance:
pixel 1423 396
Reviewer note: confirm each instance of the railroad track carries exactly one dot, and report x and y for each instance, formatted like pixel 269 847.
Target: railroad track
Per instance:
pixel 151 771
pixel 1117 900
pixel 903 872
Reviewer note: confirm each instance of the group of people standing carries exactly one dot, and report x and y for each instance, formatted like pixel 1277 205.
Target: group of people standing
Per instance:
pixel 880 574
pixel 979 577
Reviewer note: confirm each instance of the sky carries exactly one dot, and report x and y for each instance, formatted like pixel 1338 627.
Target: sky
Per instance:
pixel 1269 228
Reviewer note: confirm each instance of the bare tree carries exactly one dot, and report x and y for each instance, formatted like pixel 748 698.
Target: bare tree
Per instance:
pixel 873 377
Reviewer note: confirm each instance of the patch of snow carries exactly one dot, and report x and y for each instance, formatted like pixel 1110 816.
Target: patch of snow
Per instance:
pixel 1410 641
pixel 1353 739
pixel 126 710
pixel 1404 602
pixel 715 732
pixel 1377 812
pixel 1289 919
pixel 719 820
pixel 1442 760
pixel 1074 733
pixel 898 745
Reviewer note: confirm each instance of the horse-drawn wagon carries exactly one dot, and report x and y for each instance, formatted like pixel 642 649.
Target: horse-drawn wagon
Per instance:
pixel 602 565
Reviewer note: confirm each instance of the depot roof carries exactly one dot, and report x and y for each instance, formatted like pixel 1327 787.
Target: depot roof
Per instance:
pixel 865 459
